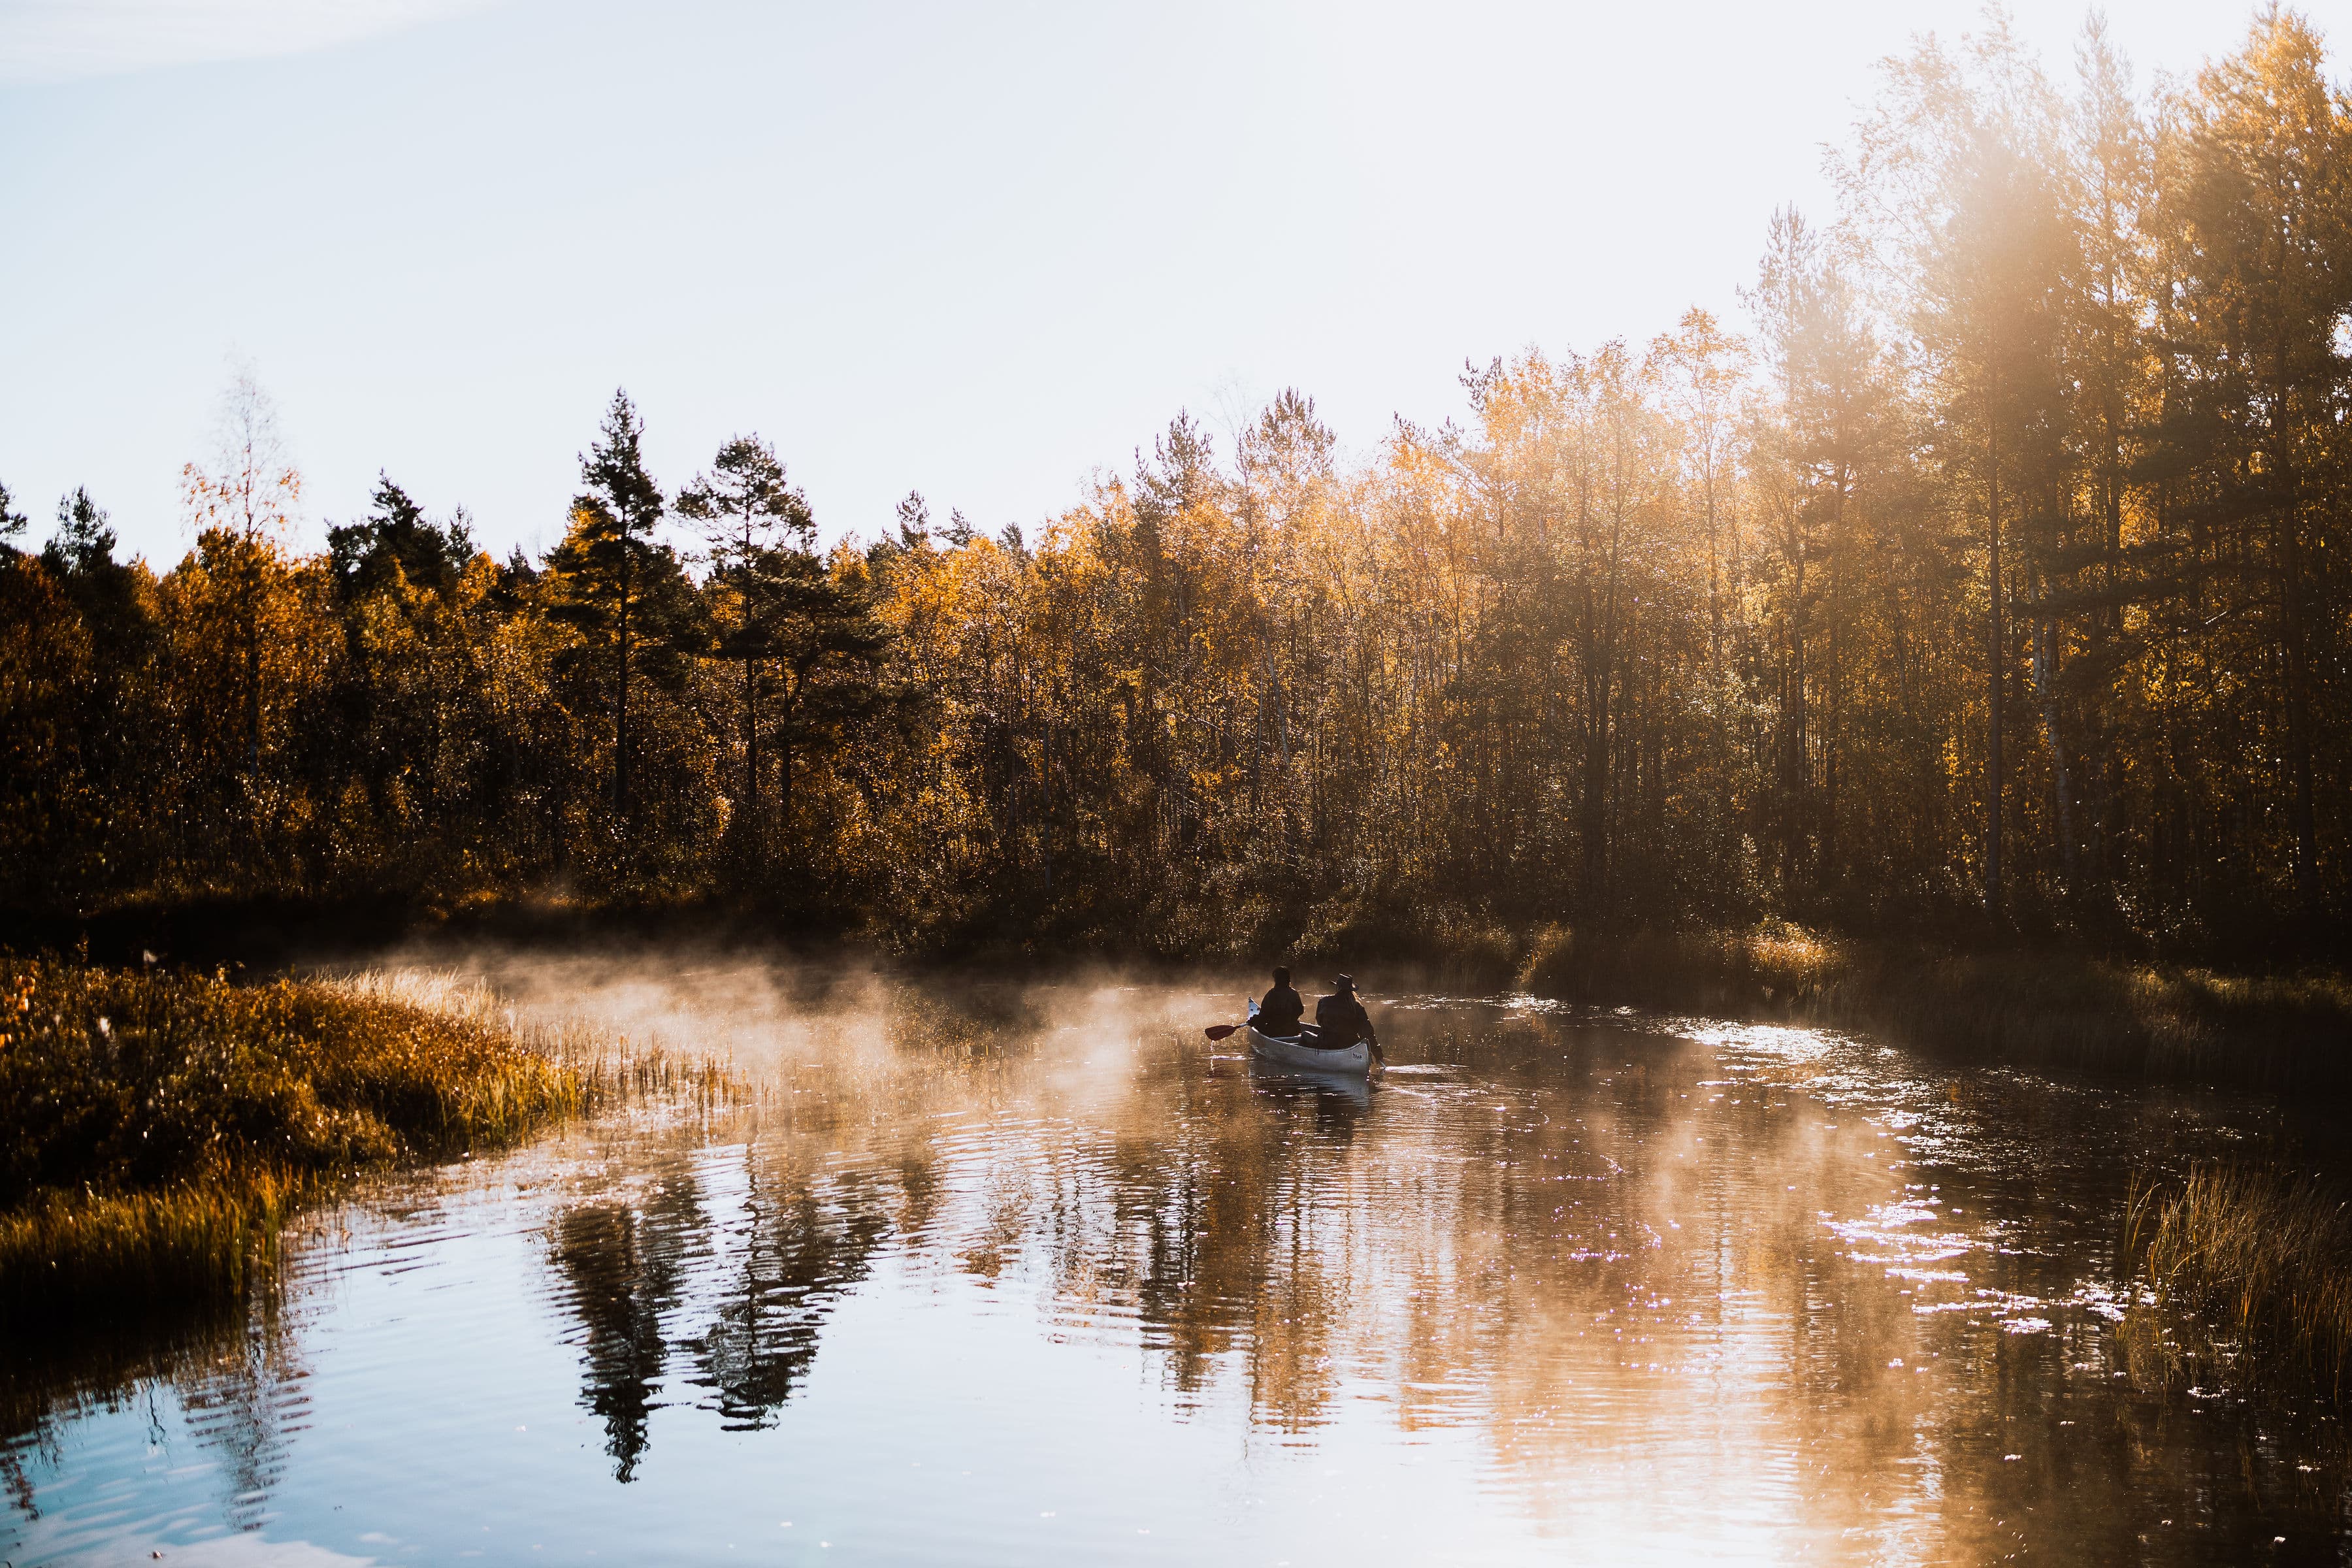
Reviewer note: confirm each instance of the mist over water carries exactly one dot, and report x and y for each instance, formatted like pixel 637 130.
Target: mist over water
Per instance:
pixel 1021 1273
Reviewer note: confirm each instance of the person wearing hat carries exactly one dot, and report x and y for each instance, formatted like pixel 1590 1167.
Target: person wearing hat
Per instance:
pixel 1340 1019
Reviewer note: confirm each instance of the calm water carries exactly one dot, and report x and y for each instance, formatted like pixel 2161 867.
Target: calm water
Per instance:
pixel 1566 1286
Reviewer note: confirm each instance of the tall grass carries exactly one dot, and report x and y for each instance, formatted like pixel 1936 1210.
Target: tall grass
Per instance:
pixel 2058 1009
pixel 1443 946
pixel 156 1128
pixel 188 1240
pixel 600 1070
pixel 1770 967
pixel 2250 1272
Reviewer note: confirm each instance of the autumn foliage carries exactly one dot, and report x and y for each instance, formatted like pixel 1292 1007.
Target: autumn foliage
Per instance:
pixel 1991 578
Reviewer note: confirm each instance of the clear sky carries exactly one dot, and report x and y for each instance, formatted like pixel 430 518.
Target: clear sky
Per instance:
pixel 980 250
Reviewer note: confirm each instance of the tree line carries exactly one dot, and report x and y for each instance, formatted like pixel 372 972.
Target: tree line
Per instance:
pixel 1992 579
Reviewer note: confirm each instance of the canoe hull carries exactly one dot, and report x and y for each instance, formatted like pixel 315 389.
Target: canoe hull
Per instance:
pixel 1356 1059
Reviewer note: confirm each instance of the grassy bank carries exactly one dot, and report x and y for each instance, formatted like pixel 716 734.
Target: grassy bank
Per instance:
pixel 2250 1268
pixel 156 1128
pixel 2057 1010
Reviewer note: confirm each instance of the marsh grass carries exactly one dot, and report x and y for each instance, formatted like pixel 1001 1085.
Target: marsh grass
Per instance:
pixel 1443 947
pixel 1717 972
pixel 157 1129
pixel 600 1070
pixel 2055 1010
pixel 2247 1271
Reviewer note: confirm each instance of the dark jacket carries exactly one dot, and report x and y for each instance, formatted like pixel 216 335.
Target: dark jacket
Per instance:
pixel 1343 1021
pixel 1279 1014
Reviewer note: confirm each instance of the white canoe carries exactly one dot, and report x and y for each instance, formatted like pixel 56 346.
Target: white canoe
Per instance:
pixel 1295 1053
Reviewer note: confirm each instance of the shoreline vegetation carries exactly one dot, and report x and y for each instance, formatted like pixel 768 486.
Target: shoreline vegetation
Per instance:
pixel 2245 1271
pixel 2055 1007
pixel 2287 1033
pixel 158 1128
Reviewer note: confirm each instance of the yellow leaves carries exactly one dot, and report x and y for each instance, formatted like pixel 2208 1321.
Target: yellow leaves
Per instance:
pixel 259 509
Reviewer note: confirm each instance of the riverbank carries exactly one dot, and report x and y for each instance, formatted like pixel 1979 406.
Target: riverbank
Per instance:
pixel 2054 1011
pixel 2049 1007
pixel 2246 1270
pixel 157 1128
pixel 2243 1271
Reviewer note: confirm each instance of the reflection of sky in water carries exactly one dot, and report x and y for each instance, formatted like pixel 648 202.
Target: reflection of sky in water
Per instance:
pixel 1064 1284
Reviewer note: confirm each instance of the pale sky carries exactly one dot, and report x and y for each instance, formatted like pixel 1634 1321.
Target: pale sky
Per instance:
pixel 977 250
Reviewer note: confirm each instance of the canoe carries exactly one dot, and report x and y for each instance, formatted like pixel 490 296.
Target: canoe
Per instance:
pixel 1296 1052
pixel 1355 1088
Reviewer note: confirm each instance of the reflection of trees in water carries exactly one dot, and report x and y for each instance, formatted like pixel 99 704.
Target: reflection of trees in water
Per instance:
pixel 623 1268
pixel 753 1273
pixel 920 1197
pixel 235 1372
pixel 245 1407
pixel 1611 1266
pixel 17 1484
pixel 800 1250
pixel 1597 1254
pixel 1199 1204
pixel 1506 1249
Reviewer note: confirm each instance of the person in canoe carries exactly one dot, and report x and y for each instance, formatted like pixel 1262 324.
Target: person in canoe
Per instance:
pixel 1278 1014
pixel 1340 1020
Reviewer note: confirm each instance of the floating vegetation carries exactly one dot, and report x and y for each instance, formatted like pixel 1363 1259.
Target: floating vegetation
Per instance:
pixel 157 1128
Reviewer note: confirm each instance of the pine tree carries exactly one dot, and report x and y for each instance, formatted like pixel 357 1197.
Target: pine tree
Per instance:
pixel 611 581
pixel 2113 182
pixel 11 522
pixel 2263 160
pixel 83 541
pixel 1964 162
pixel 396 536
pixel 817 632
pixel 753 520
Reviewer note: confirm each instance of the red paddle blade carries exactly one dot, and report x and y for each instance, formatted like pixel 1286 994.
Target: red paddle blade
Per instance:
pixel 1219 1031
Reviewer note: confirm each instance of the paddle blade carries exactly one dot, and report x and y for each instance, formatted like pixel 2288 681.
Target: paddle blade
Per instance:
pixel 1219 1031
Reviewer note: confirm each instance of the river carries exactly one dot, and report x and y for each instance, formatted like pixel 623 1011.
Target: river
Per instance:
pixel 1047 1278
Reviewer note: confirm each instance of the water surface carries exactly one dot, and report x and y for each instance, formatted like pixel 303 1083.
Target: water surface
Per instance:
pixel 1060 1283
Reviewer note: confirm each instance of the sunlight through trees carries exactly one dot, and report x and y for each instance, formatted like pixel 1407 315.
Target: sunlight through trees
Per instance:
pixel 1994 576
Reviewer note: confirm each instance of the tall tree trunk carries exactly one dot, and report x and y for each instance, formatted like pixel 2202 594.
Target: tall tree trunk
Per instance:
pixel 2108 623
pixel 790 699
pixel 751 755
pixel 252 618
pixel 1834 687
pixel 1714 583
pixel 2045 683
pixel 1795 760
pixel 621 697
pixel 1993 671
pixel 2298 711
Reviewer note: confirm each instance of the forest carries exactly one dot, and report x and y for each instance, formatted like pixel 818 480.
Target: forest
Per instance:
pixel 1986 581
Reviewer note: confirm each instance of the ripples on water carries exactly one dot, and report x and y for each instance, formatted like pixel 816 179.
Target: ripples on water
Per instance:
pixel 1565 1286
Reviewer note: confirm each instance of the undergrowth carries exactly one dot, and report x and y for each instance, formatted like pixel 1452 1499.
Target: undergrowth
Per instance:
pixel 157 1128
pixel 2247 1271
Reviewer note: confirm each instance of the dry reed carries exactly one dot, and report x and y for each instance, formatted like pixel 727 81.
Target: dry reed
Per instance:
pixel 156 1128
pixel 2249 1276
